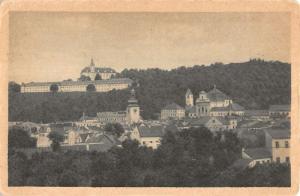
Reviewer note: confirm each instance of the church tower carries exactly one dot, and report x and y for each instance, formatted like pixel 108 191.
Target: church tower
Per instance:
pixel 202 105
pixel 189 98
pixel 92 65
pixel 133 109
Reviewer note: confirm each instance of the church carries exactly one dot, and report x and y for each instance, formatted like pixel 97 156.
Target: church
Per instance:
pixel 211 103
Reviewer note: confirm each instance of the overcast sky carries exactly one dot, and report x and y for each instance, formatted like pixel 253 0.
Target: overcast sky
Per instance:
pixel 56 46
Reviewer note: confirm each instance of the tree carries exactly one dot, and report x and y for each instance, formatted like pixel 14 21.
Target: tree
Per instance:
pixel 14 87
pixel 68 178
pixel 114 128
pixel 56 138
pixel 54 88
pixel 91 88
pixel 98 77
pixel 84 78
pixel 17 169
pixel 18 138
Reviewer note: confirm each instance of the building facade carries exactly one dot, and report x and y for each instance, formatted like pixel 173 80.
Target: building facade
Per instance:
pixel 172 111
pixel 130 116
pixel 212 103
pixel 148 136
pixel 77 86
pixel 278 143
pixel 91 71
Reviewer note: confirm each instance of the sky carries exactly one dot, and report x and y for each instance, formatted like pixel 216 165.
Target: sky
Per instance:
pixel 53 46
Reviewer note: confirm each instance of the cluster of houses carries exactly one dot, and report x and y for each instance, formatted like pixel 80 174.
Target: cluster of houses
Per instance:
pixel 213 110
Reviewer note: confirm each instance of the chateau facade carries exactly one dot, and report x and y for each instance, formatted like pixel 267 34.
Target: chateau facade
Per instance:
pixel 77 86
pixel 91 71
pixel 105 82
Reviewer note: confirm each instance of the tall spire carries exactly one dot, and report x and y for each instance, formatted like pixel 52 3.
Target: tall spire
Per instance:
pixel 92 62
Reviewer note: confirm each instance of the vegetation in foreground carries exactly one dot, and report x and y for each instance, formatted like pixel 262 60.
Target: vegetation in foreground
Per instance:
pixel 191 158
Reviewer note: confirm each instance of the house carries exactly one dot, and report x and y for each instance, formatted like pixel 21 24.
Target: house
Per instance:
pixel 172 111
pixel 280 111
pixel 257 155
pixel 231 109
pixel 148 136
pixel 278 144
pixel 42 138
pixel 215 123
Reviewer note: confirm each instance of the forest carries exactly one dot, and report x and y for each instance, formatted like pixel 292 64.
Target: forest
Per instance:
pixel 255 84
pixel 191 158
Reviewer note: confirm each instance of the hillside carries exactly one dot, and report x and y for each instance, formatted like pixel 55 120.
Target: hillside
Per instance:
pixel 254 84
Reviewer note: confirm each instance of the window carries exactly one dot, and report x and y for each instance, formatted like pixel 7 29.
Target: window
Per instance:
pixel 287 159
pixel 287 144
pixel 277 159
pixel 277 144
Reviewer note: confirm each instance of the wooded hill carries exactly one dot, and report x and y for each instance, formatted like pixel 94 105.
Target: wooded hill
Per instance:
pixel 255 84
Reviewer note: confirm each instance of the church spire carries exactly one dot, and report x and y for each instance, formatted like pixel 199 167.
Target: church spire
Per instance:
pixel 92 62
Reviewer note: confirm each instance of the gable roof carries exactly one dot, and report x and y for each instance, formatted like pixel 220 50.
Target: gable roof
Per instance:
pixel 279 133
pixel 217 95
pixel 173 106
pixel 258 153
pixel 154 131
pixel 279 108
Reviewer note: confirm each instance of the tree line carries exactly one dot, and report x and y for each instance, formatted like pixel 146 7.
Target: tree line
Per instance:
pixel 191 158
pixel 255 84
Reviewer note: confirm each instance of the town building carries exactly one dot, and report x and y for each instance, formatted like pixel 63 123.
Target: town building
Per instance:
pixel 278 144
pixel 276 111
pixel 172 111
pixel 148 136
pixel 127 117
pixel 214 123
pixel 91 71
pixel 277 148
pixel 257 155
pixel 257 114
pixel 212 103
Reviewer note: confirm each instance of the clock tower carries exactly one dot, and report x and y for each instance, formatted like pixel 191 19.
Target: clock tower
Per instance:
pixel 133 109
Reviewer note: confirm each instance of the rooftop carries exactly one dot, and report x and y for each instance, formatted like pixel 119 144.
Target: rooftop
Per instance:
pixel 279 133
pixel 173 106
pixel 70 83
pixel 280 108
pixel 154 131
pixel 217 95
pixel 258 153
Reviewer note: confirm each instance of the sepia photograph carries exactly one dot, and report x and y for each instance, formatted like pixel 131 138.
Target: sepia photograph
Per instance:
pixel 149 99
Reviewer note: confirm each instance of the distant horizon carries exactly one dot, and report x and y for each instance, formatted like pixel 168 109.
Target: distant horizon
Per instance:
pixel 168 69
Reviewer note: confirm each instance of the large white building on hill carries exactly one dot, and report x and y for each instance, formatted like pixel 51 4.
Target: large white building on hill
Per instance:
pixel 104 83
pixel 91 71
